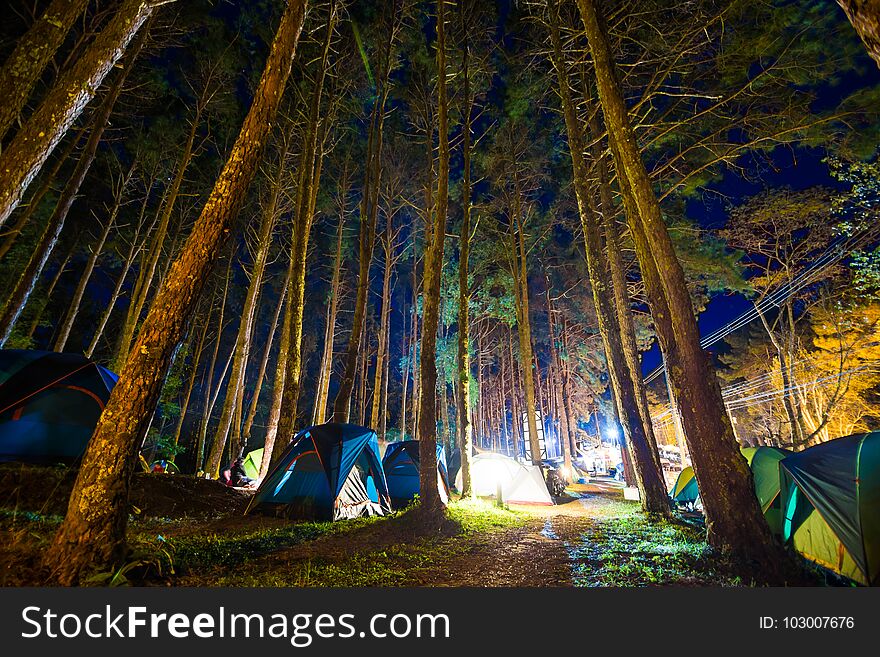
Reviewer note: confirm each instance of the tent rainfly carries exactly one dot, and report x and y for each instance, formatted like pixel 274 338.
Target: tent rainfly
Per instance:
pixel 520 484
pixel 401 466
pixel 830 502
pixel 328 472
pixel 49 404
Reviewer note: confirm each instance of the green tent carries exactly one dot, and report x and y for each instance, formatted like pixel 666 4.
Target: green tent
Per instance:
pixel 764 462
pixel 684 491
pixel 831 502
pixel 252 462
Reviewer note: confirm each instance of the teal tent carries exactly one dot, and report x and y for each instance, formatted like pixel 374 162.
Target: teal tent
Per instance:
pixel 328 472
pixel 831 505
pixel 49 404
pixel 401 466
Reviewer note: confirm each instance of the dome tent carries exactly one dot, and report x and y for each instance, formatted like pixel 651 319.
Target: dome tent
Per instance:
pixel 764 463
pixel 520 484
pixel 50 404
pixel 251 463
pixel 684 490
pixel 830 502
pixel 401 466
pixel 328 472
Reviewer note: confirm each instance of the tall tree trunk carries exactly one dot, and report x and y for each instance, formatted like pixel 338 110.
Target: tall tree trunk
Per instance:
pixel 429 495
pixel 269 451
pixel 309 177
pixel 27 211
pixel 561 420
pixel 97 249
pixel 93 531
pixel 524 331
pixel 648 475
pixel 368 217
pixel 148 271
pixel 235 388
pixel 264 365
pixel 566 393
pixel 33 51
pixel 865 18
pixel 463 380
pixel 320 414
pixel 31 274
pixel 25 155
pixel 734 518
pixel 191 382
pixel 384 328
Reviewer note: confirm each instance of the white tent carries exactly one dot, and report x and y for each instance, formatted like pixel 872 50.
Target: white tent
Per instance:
pixel 520 484
pixel 527 487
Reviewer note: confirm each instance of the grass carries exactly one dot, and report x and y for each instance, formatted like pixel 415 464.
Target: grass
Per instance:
pixel 388 551
pixel 631 550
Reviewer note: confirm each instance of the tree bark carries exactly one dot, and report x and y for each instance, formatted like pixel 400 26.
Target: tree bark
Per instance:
pixel 648 476
pixel 368 217
pixel 33 51
pixel 309 174
pixel 388 247
pixel 865 18
pixel 320 414
pixel 733 517
pixel 463 381
pixel 31 274
pixel 27 211
pixel 92 534
pixel 25 155
pixel 429 497
pixel 234 390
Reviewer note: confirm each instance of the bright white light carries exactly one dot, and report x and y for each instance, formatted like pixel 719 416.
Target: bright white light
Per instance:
pixel 612 432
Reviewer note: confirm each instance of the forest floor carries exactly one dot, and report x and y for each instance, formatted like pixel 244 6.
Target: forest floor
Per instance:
pixel 189 532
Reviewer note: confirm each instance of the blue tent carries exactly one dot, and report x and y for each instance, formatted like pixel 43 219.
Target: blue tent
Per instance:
pixel 49 404
pixel 401 465
pixel 328 472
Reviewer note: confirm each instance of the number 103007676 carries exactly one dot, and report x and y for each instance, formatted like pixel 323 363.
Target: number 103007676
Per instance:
pixel 807 623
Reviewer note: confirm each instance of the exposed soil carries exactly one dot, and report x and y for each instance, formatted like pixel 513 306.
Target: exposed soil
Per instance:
pixel 45 490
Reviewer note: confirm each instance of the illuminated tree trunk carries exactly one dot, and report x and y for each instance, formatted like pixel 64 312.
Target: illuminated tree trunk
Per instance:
pixel 429 496
pixel 234 390
pixel 309 177
pixel 33 51
pixel 264 365
pixel 648 478
pixel 733 517
pixel 554 388
pixel 31 274
pixel 35 141
pixel 38 316
pixel 388 247
pixel 27 212
pixel 92 534
pixel 320 414
pixel 524 331
pixel 865 18
pixel 368 217
pixel 463 381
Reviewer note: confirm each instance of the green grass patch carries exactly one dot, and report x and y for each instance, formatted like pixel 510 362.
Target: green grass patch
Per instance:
pixel 635 551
